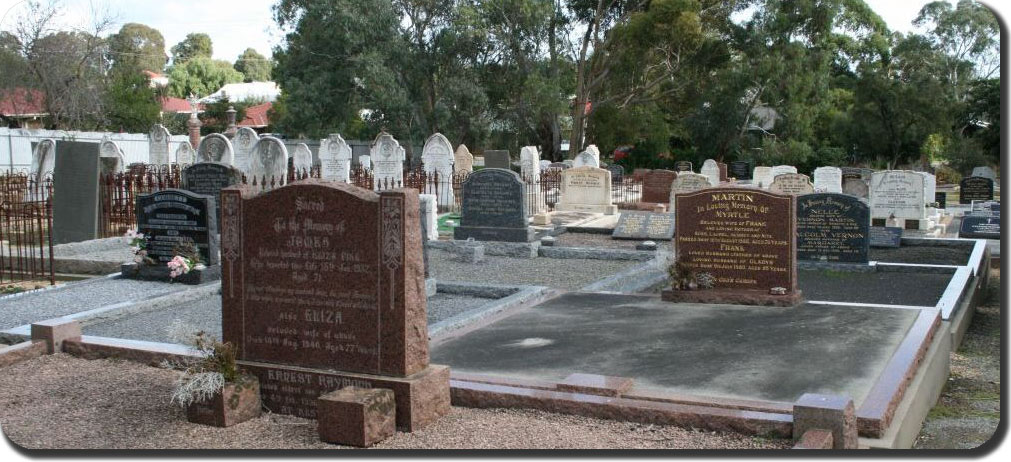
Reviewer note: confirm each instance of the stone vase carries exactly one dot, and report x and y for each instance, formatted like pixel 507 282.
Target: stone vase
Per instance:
pixel 237 402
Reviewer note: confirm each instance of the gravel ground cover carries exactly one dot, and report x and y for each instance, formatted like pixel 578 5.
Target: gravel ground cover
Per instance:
pixel 46 304
pixel 124 405
pixel 600 241
pixel 968 411
pixel 568 274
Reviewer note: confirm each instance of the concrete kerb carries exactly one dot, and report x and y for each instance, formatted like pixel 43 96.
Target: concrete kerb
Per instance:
pixel 74 284
pixel 513 296
pixel 635 279
pixel 500 249
pixel 590 253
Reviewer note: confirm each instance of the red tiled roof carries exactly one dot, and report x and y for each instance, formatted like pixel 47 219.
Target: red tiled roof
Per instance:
pixel 22 102
pixel 256 116
pixel 152 74
pixel 170 104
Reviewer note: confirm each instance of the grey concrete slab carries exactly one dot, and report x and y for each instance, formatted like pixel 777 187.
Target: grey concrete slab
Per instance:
pixel 882 287
pixel 715 350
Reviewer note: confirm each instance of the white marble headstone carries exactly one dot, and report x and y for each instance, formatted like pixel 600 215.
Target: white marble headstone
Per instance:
pixel 43 160
pixel 585 159
pixel 185 154
pixel 301 158
pixel 387 162
pixel 897 193
pixel 110 149
pixel 215 148
pixel 365 161
pixel 762 177
pixel 711 170
pixel 592 149
pixel 782 169
pixel 985 172
pixel 687 182
pixel 269 161
pixel 158 145
pixel 828 179
pixel 335 159
pixel 437 157
pixel 242 144
pixel 463 160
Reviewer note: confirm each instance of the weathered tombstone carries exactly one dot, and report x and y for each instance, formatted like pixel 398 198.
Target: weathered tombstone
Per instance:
pixel 711 171
pixel 682 166
pixel 185 154
pixel 762 177
pixel 269 164
pixel 463 159
pixel 302 158
pixel 898 194
pixel 585 159
pixel 437 158
pixel 75 202
pixel 43 160
pixel 530 171
pixel 985 172
pixel 586 189
pixel 173 217
pixel 158 145
pixel 980 227
pixel 656 186
pixel 975 188
pixel 335 159
pixel 782 169
pixel 855 187
pixel 881 236
pixel 687 182
pixel 592 149
pixel 723 172
pixel 216 148
pixel 832 228
pixel 793 184
pixel 209 178
pixel 242 144
pixel 497 159
pixel 112 159
pixel 493 208
pixel 644 226
pixel 828 179
pixel 617 173
pixel 745 239
pixel 323 288
pixel 429 216
pixel 740 169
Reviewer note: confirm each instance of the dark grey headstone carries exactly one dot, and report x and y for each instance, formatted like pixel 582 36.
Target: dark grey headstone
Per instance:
pixel 741 169
pixel 682 166
pixel 208 178
pixel 617 172
pixel 497 159
pixel 975 188
pixel 881 236
pixel 941 198
pixel 980 227
pixel 493 207
pixel 171 217
pixel 644 225
pixel 832 227
pixel 75 192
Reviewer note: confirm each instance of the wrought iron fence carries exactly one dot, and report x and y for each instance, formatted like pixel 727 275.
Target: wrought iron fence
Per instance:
pixel 26 241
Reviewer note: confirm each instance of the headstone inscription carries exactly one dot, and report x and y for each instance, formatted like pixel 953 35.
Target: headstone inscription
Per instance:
pixel 762 177
pixel 75 206
pixel 881 236
pixel 185 154
pixel 158 145
pixel 683 166
pixel 387 162
pixel 897 193
pixel 172 218
pixel 828 179
pixel 985 172
pixel 215 148
pixel 656 186
pixel 209 178
pixel 463 159
pixel 242 145
pixel 975 188
pixel 980 227
pixel 335 159
pixel 493 208
pixel 712 171
pixel 794 184
pixel 586 189
pixel 323 288
pixel 269 165
pixel 833 228
pixel 644 226
pixel 744 238
pixel 740 169
pixel 497 159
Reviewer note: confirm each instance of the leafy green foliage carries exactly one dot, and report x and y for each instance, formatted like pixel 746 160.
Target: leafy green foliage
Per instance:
pixel 200 76
pixel 130 104
pixel 215 115
pixel 254 66
pixel 136 48
pixel 195 45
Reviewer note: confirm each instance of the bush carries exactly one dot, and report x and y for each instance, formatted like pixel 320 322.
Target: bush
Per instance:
pixel 947 175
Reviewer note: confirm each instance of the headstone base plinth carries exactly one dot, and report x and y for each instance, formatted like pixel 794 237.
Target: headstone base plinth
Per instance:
pixel 604 209
pixel 161 273
pixel 420 398
pixel 487 233
pixel 732 297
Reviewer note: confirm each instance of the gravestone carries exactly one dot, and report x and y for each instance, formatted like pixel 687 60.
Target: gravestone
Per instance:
pixel 112 158
pixel 185 155
pixel 897 193
pixel 586 189
pixel 302 159
pixel 833 228
pixel 437 158
pixel 985 172
pixel 530 172
pixel 762 177
pixel 158 145
pixel 929 188
pixel 323 288
pixel 782 169
pixel 493 208
pixel 711 171
pixel 793 184
pixel 740 169
pixel 544 163
pixel 429 217
pixel 269 164
pixel 558 165
pixel 497 159
pixel 172 217
pixel 365 162
pixel 585 159
pixel 43 160
pixel 75 199
pixel 592 149
pixel 683 166
pixel 463 160
pixel 980 227
pixel 975 188
pixel 656 186
pixel 985 208
pixel 687 182
pixel 242 145
pixel 888 237
pixel 828 179
pixel 215 148
pixel 941 199
pixel 855 187
pixel 723 171
pixel 617 173
pixel 335 159
pixel 209 178
pixel 644 226
pixel 745 239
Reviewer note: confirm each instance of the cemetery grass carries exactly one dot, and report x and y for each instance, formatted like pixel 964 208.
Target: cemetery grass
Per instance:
pixel 968 411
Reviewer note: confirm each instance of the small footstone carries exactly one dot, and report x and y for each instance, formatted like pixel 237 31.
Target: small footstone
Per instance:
pixel 826 412
pixel 646 245
pixel 548 241
pixel 356 416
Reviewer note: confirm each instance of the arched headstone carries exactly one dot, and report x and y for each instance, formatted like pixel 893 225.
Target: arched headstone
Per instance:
pixel 463 159
pixel 185 154
pixel 43 159
pixel 215 148
pixel 158 145
pixel 335 159
pixel 242 144
pixel 387 162
pixel 711 170
pixel 437 157
pixel 302 158
pixel 269 162
pixel 585 159
pixel 111 157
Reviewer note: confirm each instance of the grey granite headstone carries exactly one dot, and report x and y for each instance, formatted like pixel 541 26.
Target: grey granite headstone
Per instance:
pixel 209 178
pixel 682 166
pixel 493 208
pixel 975 188
pixel 880 236
pixel 172 217
pixel 740 169
pixel 644 225
pixel 497 159
pixel 832 227
pixel 75 192
pixel 980 227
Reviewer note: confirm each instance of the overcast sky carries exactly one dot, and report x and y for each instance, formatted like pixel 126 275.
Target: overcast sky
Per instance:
pixel 235 25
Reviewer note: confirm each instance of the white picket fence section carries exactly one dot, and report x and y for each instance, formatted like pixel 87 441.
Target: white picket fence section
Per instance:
pixel 16 145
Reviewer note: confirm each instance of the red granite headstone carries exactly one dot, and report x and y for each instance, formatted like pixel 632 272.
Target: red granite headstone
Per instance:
pixel 656 186
pixel 723 171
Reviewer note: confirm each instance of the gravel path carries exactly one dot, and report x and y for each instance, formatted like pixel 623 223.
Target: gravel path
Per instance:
pixel 124 405
pixel 91 294
pixel 600 241
pixel 568 274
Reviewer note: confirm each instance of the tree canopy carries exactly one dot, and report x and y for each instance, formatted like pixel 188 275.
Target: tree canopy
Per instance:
pixel 195 45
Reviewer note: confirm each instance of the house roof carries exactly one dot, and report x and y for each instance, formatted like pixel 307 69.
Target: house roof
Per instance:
pixel 256 116
pixel 22 102
pixel 241 92
pixel 170 104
